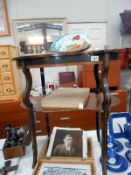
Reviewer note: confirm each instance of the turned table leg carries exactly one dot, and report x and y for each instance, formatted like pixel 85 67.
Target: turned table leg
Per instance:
pixel 31 115
pixel 47 124
pixel 97 90
pixel 105 110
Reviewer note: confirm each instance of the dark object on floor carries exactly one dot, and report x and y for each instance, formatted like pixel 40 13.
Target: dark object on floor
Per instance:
pixel 17 139
pixel 14 136
pixel 7 168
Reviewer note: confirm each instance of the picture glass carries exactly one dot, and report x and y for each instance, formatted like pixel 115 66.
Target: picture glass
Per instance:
pixel 34 36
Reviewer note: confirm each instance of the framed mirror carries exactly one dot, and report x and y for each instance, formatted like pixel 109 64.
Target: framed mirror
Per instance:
pixel 36 35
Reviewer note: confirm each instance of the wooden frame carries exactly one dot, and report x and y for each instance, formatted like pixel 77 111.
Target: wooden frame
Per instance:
pixel 43 161
pixel 95 31
pixel 35 21
pixel 4 23
pixel 41 164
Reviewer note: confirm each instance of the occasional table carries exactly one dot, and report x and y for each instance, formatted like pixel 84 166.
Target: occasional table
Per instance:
pixel 96 103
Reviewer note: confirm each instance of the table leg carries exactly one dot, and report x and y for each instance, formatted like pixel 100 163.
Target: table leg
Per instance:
pixel 97 90
pixel 129 101
pixel 104 141
pixel 33 136
pixel 105 110
pixel 98 126
pixel 31 115
pixel 47 124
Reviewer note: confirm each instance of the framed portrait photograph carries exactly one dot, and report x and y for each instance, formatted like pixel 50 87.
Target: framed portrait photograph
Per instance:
pixel 4 23
pixel 64 143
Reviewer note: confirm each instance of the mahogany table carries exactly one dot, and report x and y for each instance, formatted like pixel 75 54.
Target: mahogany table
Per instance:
pixel 102 107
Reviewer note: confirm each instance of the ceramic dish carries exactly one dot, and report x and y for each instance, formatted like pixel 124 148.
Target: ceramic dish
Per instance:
pixel 129 173
pixel 116 124
pixel 116 163
pixel 114 144
pixel 119 165
pixel 116 160
pixel 128 155
pixel 73 42
pixel 118 146
pixel 118 168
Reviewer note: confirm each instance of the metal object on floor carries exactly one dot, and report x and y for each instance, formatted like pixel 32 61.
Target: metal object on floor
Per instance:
pixel 7 168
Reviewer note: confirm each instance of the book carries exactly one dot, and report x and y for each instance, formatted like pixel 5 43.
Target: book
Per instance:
pixel 66 98
pixel 67 142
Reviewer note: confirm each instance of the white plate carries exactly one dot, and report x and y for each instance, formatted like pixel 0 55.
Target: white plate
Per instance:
pixel 71 43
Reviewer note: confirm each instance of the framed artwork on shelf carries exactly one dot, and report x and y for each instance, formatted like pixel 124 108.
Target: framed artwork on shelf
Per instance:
pixel 63 143
pixel 96 32
pixel 4 23
pixel 53 168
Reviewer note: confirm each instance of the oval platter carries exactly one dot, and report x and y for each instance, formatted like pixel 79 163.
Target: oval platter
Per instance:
pixel 73 42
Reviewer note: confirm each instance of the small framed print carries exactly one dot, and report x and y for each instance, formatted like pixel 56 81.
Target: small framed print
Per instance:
pixel 4 23
pixel 59 168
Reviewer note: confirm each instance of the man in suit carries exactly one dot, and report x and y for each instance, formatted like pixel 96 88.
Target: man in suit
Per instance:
pixel 65 149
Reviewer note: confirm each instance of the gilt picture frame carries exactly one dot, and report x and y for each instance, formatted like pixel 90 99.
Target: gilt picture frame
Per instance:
pixel 4 22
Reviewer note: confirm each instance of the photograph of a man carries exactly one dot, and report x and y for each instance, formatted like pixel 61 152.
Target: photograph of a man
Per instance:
pixel 67 143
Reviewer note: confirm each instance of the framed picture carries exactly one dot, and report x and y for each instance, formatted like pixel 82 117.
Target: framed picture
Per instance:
pixel 4 23
pixel 95 31
pixel 59 168
pixel 65 165
pixel 63 143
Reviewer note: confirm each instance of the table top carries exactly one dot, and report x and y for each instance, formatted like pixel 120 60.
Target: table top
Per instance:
pixel 62 59
pixel 54 59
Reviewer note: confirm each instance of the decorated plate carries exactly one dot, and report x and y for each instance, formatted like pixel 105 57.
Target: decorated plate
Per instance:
pixel 119 165
pixel 114 144
pixel 73 42
pixel 116 124
pixel 128 155
pixel 118 146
